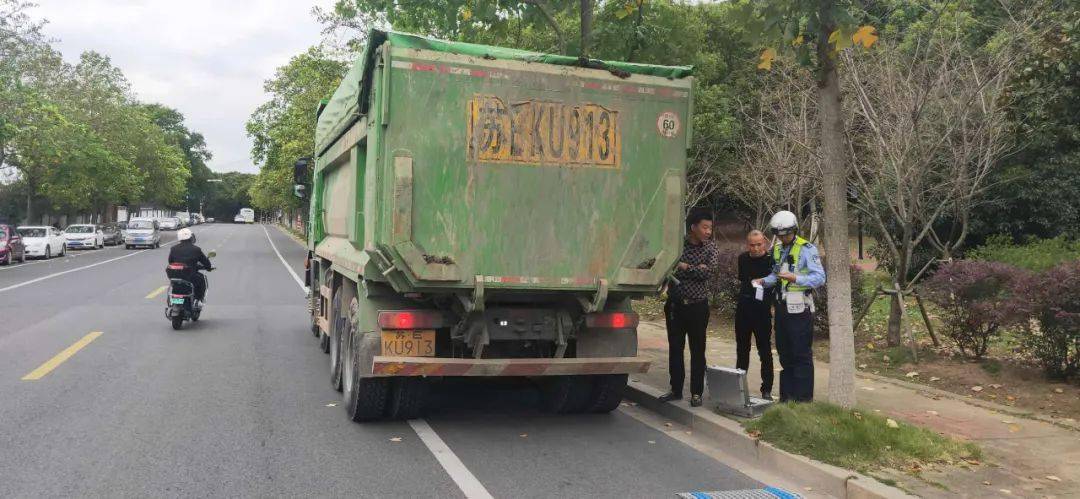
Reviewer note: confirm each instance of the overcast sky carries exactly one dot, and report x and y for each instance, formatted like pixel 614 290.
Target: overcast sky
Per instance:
pixel 206 58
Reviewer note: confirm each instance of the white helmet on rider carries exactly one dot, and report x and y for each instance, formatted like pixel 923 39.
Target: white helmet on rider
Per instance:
pixel 184 234
pixel 783 223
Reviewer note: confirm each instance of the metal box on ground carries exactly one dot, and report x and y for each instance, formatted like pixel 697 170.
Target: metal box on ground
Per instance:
pixel 728 392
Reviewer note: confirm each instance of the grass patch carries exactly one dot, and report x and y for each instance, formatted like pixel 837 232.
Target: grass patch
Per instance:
pixel 855 440
pixel 991 366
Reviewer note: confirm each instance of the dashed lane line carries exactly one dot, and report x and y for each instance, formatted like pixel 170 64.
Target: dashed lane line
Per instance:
pixel 153 294
pixel 59 358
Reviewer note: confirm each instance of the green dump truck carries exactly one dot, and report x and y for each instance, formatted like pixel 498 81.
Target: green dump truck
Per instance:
pixel 484 211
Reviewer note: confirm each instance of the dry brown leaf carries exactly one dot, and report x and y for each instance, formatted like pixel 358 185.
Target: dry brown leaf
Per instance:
pixel 1053 478
pixel 935 378
pixel 995 386
pixel 754 433
pixel 1013 428
pixel 976 388
pixel 986 483
pixel 912 374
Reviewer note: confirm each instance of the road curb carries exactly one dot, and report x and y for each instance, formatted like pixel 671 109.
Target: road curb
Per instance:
pixel 821 477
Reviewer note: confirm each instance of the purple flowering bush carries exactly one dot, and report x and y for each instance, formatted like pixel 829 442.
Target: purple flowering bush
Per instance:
pixel 1054 335
pixel 979 300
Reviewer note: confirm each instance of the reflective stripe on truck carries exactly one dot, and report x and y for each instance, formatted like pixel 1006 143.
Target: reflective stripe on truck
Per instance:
pixel 430 366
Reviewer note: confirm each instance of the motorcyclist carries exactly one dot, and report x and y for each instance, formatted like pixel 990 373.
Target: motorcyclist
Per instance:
pixel 187 253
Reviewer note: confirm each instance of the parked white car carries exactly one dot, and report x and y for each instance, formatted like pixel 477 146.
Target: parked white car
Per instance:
pixel 43 241
pixel 86 236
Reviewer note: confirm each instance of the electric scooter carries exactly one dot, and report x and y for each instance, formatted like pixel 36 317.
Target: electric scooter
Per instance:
pixel 181 304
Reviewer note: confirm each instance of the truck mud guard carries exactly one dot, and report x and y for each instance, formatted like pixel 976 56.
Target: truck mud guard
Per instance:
pixel 431 366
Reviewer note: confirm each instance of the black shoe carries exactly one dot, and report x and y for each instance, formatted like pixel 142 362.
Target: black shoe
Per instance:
pixel 669 396
pixel 766 395
pixel 695 401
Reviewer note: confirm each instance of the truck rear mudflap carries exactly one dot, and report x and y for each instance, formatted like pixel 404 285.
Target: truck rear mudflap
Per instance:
pixel 431 366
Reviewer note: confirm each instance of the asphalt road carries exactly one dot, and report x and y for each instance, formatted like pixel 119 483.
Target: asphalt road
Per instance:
pixel 240 404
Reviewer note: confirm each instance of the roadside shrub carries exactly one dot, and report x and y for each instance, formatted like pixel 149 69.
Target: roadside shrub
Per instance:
pixel 978 300
pixel 1054 335
pixel 1036 255
pixel 821 302
pixel 725 281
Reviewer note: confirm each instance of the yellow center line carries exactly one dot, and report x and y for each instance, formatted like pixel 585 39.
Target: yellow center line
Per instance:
pixel 54 362
pixel 156 292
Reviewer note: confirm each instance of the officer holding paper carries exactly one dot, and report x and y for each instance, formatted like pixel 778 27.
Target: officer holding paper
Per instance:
pixel 796 272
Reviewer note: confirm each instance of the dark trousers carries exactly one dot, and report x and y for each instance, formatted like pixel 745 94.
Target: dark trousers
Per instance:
pixel 199 281
pixel 752 318
pixel 794 337
pixel 686 321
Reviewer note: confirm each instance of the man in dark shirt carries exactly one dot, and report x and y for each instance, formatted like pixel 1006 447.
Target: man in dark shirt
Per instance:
pixel 752 315
pixel 193 258
pixel 687 309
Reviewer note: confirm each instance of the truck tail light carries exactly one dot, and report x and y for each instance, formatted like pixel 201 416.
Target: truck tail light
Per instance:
pixel 411 319
pixel 612 320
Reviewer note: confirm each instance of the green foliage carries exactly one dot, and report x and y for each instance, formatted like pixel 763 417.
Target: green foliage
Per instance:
pixel 73 137
pixel 1035 255
pixel 283 129
pixel 855 440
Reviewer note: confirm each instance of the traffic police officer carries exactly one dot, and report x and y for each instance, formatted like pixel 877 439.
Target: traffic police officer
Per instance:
pixel 796 272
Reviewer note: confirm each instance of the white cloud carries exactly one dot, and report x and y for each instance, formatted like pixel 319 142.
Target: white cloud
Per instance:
pixel 206 58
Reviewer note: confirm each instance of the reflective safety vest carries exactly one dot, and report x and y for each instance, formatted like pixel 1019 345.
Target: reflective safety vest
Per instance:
pixel 796 248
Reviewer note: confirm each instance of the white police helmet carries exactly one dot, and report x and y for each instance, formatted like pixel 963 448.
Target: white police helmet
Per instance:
pixel 783 223
pixel 184 234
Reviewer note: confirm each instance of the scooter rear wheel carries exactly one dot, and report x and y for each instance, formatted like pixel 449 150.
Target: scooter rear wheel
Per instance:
pixel 177 323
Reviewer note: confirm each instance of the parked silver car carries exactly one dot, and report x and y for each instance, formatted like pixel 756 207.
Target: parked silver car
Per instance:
pixel 142 232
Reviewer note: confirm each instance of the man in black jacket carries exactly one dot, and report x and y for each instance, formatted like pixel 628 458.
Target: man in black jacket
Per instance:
pixel 687 308
pixel 191 256
pixel 752 314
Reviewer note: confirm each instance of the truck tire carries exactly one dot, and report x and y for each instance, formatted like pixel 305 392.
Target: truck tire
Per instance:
pixel 365 397
pixel 343 325
pixel 607 392
pixel 566 394
pixel 324 343
pixel 407 397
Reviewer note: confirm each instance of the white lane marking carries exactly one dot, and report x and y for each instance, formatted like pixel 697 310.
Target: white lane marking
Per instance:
pixel 58 274
pixel 67 256
pixel 283 262
pixel 465 480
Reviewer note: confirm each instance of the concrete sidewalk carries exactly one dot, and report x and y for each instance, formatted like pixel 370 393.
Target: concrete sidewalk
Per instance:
pixel 1020 453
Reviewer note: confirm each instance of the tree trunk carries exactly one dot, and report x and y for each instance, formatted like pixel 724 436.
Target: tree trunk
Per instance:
pixel 834 173
pixel 894 335
pixel 586 27
pixel 29 218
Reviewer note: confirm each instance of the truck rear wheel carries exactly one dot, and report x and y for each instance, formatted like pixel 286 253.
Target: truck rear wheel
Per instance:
pixel 407 396
pixel 566 394
pixel 365 397
pixel 607 392
pixel 343 325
